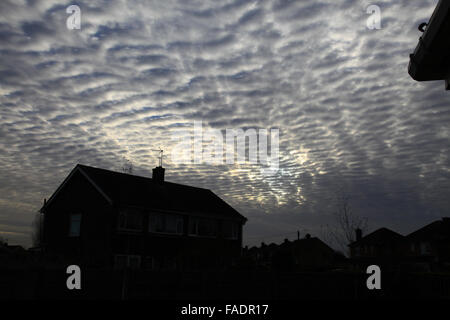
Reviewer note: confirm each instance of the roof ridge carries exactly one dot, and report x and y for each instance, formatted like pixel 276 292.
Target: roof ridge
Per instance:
pixel 141 177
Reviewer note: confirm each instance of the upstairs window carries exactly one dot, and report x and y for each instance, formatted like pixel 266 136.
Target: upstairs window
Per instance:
pixel 123 261
pixel 202 227
pixel 230 230
pixel 425 248
pixel 149 263
pixel 134 262
pixel 130 220
pixel 166 223
pixel 120 261
pixel 75 225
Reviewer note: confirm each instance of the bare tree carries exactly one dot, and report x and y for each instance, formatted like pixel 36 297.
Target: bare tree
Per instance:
pixel 343 231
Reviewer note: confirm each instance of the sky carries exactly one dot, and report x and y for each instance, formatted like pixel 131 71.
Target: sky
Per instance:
pixel 350 119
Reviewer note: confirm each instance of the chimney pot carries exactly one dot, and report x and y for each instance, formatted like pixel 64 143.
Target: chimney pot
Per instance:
pixel 158 174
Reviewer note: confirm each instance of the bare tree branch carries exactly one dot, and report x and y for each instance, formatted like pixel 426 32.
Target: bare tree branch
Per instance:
pixel 343 231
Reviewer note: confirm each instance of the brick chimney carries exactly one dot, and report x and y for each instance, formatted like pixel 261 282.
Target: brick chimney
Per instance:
pixel 358 234
pixel 158 174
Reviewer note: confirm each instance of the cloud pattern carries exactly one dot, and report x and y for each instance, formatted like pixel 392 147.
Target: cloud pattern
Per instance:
pixel 350 118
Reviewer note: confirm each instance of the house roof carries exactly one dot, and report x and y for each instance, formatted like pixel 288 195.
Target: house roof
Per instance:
pixel 122 189
pixel 380 236
pixel 431 58
pixel 305 244
pixel 436 229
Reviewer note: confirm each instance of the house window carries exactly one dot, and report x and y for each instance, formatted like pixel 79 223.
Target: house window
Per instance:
pixel 121 261
pixel 166 223
pixel 169 263
pixel 230 230
pixel 425 248
pixel 149 263
pixel 134 262
pixel 130 220
pixel 127 261
pixel 202 227
pixel 75 225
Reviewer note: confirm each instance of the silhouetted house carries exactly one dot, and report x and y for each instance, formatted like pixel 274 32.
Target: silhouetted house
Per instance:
pixel 309 253
pixel 380 246
pixel 430 245
pixel 270 256
pixel 106 218
pixel 431 58
pixel 262 256
pixel 12 256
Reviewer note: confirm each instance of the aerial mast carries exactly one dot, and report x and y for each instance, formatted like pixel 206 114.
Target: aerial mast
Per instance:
pixel 161 156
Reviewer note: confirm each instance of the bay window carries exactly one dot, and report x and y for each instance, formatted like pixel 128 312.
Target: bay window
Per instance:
pixel 130 220
pixel 166 223
pixel 202 227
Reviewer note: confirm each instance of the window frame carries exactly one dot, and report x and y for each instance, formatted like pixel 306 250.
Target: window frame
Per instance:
pixel 234 225
pixel 133 256
pixel 125 213
pixel 196 220
pixel 425 248
pixel 149 263
pixel 179 221
pixel 128 258
pixel 71 220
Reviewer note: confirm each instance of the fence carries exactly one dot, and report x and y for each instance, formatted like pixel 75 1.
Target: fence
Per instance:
pixel 41 283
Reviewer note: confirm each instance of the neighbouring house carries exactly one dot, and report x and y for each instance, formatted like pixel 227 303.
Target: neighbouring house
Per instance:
pixel 104 218
pixel 430 245
pixel 309 253
pixel 12 256
pixel 261 256
pixel 431 58
pixel 426 249
pixel 383 246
